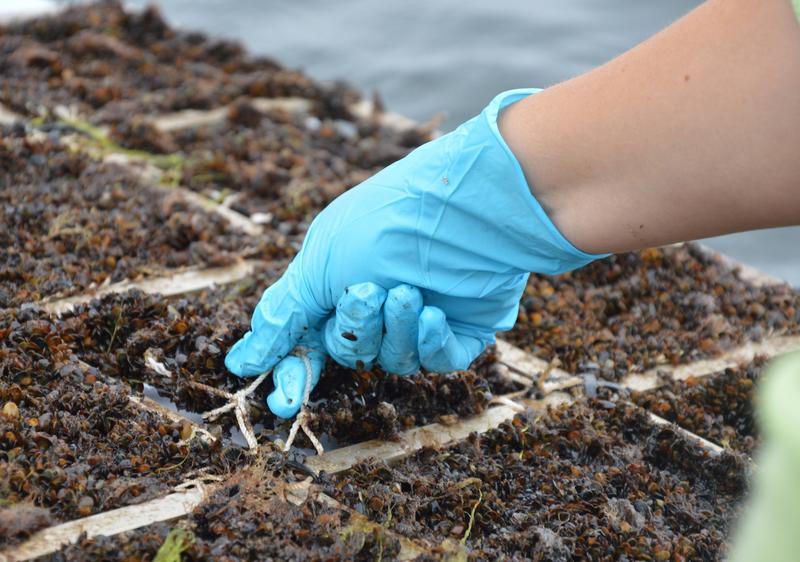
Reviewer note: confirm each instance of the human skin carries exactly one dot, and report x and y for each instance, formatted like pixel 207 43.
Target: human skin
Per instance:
pixel 693 133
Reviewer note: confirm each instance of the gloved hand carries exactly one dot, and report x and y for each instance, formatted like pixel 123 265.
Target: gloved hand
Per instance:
pixel 453 225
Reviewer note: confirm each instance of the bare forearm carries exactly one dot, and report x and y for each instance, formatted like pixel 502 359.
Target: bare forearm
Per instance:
pixel 694 133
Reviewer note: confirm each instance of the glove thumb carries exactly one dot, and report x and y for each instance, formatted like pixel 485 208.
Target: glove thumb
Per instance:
pixel 280 321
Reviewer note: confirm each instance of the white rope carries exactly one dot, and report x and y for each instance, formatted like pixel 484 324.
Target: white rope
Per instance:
pixel 302 419
pixel 237 401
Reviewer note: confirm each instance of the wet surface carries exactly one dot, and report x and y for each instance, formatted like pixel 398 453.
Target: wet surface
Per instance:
pixel 719 407
pixel 588 481
pixel 636 311
pixel 70 223
pixel 594 480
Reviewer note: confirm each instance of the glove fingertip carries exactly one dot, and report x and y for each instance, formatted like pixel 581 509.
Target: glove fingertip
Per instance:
pixel 404 297
pixel 290 379
pixel 353 334
pixel 399 354
pixel 362 300
pixel 279 406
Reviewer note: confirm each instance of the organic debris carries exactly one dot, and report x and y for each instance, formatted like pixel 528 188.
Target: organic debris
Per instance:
pixel 102 58
pixel 74 443
pixel 285 166
pixel 718 407
pixel 248 520
pixel 19 521
pixel 636 311
pixel 584 482
pixel 361 405
pixel 119 71
pixel 70 223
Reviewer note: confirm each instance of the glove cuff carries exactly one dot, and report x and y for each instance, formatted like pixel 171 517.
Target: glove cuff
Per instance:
pixel 559 253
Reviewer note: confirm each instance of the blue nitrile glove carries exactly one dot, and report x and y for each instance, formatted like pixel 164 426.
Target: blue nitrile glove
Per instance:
pixel 456 219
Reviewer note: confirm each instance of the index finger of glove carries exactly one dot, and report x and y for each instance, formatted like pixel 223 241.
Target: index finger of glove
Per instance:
pixel 399 354
pixel 353 334
pixel 279 321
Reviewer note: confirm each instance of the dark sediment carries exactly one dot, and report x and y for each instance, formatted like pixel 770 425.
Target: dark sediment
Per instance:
pixel 101 57
pixel 190 336
pixel 360 405
pixel 121 69
pixel 289 166
pixel 635 311
pixel 719 407
pixel 247 520
pixel 71 441
pixel 70 223
pixel 581 482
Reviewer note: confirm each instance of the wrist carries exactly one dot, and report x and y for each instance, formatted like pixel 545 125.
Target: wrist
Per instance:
pixel 519 126
pixel 552 211
pixel 515 127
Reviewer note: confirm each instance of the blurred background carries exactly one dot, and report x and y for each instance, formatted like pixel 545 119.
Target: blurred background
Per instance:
pixel 451 56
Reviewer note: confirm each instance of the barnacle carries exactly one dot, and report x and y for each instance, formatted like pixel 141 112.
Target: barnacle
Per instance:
pixel 636 311
pixel 594 480
pixel 584 481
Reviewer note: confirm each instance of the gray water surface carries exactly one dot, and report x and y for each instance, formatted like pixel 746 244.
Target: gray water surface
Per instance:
pixel 452 56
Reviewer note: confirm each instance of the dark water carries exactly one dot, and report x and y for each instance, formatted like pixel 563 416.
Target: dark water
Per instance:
pixel 431 56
